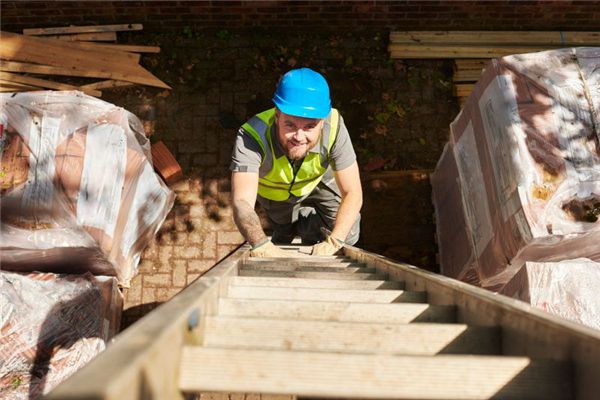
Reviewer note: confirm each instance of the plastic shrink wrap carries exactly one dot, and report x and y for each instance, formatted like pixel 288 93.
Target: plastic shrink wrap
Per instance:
pixel 50 326
pixel 519 179
pixel 568 289
pixel 78 189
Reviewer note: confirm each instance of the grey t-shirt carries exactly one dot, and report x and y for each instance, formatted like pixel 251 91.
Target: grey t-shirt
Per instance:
pixel 247 153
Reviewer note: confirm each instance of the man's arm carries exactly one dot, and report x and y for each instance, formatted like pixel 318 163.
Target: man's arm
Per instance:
pixel 348 180
pixel 244 187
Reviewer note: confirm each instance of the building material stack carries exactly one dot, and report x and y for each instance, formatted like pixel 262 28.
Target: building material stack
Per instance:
pixel 81 53
pixel 519 180
pixel 80 201
pixel 473 50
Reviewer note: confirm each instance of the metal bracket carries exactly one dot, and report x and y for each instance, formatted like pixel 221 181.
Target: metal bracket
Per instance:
pixel 193 319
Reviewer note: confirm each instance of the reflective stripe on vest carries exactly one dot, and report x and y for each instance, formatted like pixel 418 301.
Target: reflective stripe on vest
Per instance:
pixel 276 175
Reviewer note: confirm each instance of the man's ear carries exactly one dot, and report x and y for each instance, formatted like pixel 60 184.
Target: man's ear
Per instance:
pixel 277 114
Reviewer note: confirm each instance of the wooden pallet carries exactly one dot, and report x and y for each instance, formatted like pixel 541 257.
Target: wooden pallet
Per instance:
pixel 407 334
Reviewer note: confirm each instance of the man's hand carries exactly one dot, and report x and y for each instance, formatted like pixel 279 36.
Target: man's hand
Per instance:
pixel 268 249
pixel 329 247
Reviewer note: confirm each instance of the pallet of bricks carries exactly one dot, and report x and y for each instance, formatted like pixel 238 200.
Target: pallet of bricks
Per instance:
pixel 472 51
pixel 517 188
pixel 79 203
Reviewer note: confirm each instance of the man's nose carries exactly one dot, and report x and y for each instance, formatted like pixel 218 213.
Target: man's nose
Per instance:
pixel 300 134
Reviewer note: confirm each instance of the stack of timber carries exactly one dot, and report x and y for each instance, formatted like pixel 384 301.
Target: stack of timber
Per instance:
pixel 472 50
pixel 76 51
pixel 353 326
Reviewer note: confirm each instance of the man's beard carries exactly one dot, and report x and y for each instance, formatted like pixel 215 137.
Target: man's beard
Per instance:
pixel 296 154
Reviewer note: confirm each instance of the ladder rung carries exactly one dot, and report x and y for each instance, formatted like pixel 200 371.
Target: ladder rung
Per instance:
pixel 315 283
pixel 372 376
pixel 302 262
pixel 338 311
pixel 314 275
pixel 306 268
pixel 352 337
pixel 301 259
pixel 346 295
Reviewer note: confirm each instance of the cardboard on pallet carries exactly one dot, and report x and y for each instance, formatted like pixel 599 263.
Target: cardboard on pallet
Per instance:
pixel 79 191
pixel 51 326
pixel 524 176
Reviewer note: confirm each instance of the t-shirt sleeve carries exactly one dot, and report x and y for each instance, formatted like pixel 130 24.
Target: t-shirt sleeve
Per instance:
pixel 342 153
pixel 247 153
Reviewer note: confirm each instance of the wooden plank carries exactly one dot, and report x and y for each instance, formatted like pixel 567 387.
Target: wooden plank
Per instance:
pixel 302 262
pixel 446 51
pixel 466 75
pixel 127 47
pixel 305 268
pixel 308 294
pixel 4 84
pixel 15 47
pixel 556 38
pixel 99 63
pixel 314 283
pixel 108 84
pixel 87 37
pixel 463 89
pixel 312 275
pixel 15 66
pixel 401 313
pixel 324 374
pixel 352 337
pixel 301 259
pixel 43 83
pixel 83 29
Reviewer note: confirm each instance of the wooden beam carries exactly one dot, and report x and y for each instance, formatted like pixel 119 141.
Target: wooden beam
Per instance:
pixel 8 86
pixel 87 37
pixel 404 51
pixel 127 47
pixel 15 66
pixel 497 37
pixel 58 52
pixel 372 376
pixel 468 75
pixel 108 84
pixel 101 63
pixel 28 80
pixel 83 29
pixel 463 89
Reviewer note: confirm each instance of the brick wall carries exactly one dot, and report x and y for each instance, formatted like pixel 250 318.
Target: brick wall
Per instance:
pixel 303 15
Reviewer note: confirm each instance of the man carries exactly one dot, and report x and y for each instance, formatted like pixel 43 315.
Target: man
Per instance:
pixel 298 160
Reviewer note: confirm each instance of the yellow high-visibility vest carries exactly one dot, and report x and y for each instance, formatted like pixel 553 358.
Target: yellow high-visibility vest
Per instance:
pixel 276 175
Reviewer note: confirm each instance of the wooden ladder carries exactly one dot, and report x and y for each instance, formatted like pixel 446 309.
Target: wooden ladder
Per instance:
pixel 354 326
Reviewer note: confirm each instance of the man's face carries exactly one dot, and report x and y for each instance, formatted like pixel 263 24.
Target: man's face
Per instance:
pixel 297 135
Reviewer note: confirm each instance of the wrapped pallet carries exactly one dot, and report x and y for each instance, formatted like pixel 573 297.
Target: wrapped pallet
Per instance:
pixel 566 288
pixel 78 187
pixel 50 326
pixel 524 176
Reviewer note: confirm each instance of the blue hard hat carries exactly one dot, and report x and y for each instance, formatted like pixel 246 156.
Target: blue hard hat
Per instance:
pixel 303 93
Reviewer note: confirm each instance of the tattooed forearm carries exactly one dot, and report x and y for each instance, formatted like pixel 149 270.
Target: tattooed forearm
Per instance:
pixel 248 222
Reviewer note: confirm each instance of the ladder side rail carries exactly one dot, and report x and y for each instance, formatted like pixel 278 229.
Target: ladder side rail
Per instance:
pixel 526 331
pixel 143 362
